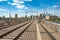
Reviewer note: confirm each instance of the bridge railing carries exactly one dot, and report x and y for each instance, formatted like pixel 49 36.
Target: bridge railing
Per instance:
pixel 54 26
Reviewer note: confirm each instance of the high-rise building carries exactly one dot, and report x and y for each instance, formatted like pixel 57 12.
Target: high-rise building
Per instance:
pixel 26 15
pixel 16 15
pixel 10 15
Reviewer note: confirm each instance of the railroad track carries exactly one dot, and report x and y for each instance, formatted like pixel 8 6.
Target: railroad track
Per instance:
pixel 16 32
pixel 6 26
pixel 49 34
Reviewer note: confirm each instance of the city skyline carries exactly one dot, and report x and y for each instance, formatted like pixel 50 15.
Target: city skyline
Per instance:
pixel 21 6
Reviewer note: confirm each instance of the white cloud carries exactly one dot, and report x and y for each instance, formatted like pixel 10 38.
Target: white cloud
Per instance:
pixel 20 6
pixel 26 7
pixel 8 2
pixel 55 6
pixel 19 1
pixel 22 2
pixel 2 9
pixel 13 3
pixel 17 5
pixel 27 0
pixel 19 10
pixel 3 0
pixel 15 0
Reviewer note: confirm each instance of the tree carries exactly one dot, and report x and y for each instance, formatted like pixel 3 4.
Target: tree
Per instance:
pixel 0 18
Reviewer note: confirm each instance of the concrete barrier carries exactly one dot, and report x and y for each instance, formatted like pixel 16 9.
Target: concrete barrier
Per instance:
pixel 54 26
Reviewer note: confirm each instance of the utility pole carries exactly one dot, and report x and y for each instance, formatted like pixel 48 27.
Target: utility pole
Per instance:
pixel 9 16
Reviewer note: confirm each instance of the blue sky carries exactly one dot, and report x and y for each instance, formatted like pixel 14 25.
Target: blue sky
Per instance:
pixel 21 6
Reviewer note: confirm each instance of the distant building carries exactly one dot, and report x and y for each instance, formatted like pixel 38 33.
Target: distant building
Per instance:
pixel 16 15
pixel 52 18
pixel 26 15
pixel 47 17
pixel 31 16
pixel 3 17
pixel 10 15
